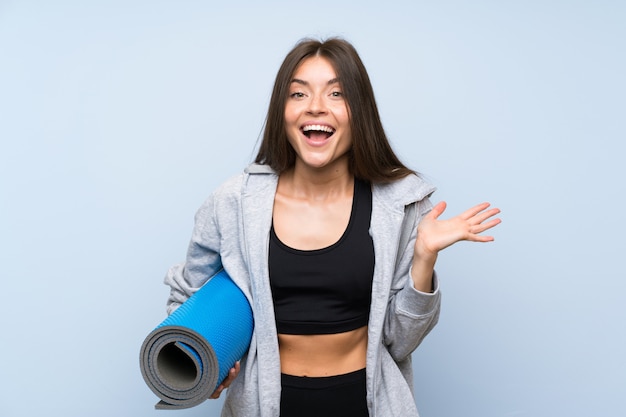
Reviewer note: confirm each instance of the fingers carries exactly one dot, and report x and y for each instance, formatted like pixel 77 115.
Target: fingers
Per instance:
pixel 217 392
pixel 468 214
pixel 479 219
pixel 477 215
pixel 481 227
pixel 434 235
pixel 437 209
pixel 474 216
pixel 232 374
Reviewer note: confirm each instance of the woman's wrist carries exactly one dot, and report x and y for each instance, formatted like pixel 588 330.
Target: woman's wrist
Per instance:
pixel 422 269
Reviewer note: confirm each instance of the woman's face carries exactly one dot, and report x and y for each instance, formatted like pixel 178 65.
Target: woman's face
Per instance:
pixel 317 118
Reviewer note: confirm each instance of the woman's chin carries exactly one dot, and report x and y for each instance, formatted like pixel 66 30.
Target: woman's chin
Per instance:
pixel 322 162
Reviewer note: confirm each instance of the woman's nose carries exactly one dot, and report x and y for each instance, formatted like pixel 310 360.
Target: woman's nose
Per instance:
pixel 317 105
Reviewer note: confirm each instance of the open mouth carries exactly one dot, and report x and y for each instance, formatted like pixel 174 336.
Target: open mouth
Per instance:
pixel 318 132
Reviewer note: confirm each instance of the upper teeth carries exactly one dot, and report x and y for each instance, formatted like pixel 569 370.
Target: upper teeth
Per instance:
pixel 318 127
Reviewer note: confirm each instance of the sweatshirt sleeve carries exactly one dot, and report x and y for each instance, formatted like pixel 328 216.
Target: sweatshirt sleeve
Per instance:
pixel 411 314
pixel 202 261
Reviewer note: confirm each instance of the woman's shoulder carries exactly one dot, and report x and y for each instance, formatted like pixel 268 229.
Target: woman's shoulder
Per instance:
pixel 404 191
pixel 413 187
pixel 254 176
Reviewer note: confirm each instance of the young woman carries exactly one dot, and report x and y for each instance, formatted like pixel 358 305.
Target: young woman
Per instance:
pixel 334 242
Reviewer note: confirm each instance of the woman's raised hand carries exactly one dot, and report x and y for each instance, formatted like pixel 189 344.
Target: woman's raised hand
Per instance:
pixel 434 235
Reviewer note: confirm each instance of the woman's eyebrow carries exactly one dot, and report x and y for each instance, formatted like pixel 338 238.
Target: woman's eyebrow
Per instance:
pixel 306 83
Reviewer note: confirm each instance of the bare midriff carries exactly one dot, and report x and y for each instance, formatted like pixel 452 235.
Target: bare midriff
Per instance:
pixel 323 354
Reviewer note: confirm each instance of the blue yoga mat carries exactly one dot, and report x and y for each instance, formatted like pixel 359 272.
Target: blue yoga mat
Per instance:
pixel 185 358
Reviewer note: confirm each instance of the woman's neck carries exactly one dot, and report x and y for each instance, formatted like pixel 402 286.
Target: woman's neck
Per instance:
pixel 318 184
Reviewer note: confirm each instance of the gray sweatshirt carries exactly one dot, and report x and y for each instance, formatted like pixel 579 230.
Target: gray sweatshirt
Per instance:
pixel 232 232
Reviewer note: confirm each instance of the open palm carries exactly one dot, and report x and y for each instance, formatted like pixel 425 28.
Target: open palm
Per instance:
pixel 434 235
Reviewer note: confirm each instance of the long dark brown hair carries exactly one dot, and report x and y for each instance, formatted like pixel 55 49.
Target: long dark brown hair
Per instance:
pixel 371 157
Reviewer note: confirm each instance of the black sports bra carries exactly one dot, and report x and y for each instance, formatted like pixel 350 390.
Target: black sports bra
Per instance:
pixel 326 290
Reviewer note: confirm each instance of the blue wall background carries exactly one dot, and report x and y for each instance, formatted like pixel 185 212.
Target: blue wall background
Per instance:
pixel 117 119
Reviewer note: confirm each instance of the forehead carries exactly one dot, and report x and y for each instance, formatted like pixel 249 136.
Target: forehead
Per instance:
pixel 315 68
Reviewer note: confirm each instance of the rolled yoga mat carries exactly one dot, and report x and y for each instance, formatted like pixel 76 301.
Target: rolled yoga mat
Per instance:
pixel 185 358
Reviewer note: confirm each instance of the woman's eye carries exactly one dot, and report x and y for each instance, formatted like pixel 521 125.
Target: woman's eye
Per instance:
pixel 297 94
pixel 336 94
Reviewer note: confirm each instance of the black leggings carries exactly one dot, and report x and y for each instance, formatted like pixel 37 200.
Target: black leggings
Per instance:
pixel 331 396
